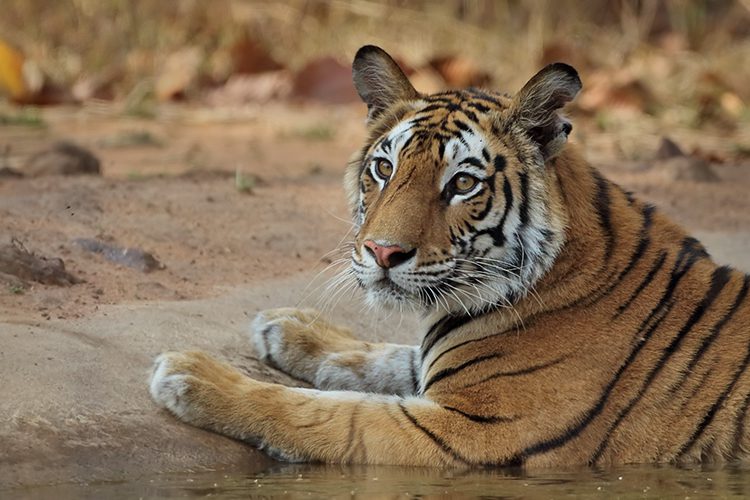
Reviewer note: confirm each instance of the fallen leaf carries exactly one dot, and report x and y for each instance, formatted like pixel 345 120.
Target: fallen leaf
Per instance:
pixel 11 72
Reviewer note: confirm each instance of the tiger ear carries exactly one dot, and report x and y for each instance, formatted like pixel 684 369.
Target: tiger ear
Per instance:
pixel 379 81
pixel 535 106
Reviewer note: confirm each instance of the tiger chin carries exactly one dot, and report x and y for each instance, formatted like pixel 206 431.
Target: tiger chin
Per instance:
pixel 564 321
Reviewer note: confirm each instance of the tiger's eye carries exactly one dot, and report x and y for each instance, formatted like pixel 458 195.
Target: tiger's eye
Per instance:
pixel 464 183
pixel 384 169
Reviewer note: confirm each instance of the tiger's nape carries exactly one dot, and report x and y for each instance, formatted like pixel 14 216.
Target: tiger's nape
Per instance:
pixel 565 322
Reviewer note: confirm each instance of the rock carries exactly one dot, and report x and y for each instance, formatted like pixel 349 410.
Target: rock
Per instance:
pixel 63 158
pixel 676 165
pixel 10 173
pixel 688 168
pixel 325 80
pixel 668 149
pixel 16 260
pixel 134 258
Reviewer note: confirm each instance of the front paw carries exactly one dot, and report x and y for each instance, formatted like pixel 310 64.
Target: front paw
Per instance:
pixel 270 329
pixel 296 341
pixel 190 384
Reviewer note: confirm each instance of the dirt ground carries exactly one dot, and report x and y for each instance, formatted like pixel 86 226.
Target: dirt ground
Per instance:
pixel 225 199
pixel 240 208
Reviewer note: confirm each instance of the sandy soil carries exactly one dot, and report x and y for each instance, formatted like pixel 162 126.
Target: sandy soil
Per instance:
pixel 73 360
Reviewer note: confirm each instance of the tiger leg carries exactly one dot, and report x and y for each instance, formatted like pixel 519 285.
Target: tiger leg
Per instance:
pixel 301 344
pixel 311 425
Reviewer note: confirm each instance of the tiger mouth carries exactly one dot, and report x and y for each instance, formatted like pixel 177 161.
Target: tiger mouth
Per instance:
pixel 387 284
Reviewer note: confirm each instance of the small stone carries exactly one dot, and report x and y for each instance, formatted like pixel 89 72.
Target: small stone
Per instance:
pixel 63 158
pixel 129 257
pixel 688 168
pixel 10 173
pixel 16 260
pixel 668 149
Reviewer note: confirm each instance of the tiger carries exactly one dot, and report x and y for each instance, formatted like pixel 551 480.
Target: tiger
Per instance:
pixel 562 321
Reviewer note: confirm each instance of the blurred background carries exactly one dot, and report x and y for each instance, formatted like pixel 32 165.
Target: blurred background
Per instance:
pixel 683 60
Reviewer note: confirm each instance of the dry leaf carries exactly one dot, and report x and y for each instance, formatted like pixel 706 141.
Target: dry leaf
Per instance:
pixel 11 72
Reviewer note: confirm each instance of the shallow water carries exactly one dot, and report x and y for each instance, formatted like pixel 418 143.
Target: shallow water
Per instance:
pixel 318 481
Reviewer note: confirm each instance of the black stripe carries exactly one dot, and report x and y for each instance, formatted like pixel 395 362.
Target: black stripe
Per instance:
pixel 485 154
pixel 646 281
pixel 642 340
pixel 496 233
pixel 440 329
pixel 523 211
pixel 406 143
pixel 436 439
pixel 517 373
pixel 688 401
pixel 461 344
pixel 719 279
pixel 499 163
pixel 449 372
pixel 432 107
pixel 714 332
pixel 481 418
pixel 462 126
pixel 477 106
pixel 644 241
pixel 739 426
pixel 470 115
pixel 602 203
pixel 487 206
pixel 476 162
pixel 711 413
pixel 483 96
pixel 413 362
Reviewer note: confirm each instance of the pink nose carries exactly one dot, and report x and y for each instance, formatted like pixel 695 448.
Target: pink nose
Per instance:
pixel 388 256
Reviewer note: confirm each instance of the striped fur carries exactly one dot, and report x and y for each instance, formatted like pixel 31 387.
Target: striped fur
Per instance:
pixel 564 321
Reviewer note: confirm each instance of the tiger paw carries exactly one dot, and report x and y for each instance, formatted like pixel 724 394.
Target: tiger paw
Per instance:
pixel 192 385
pixel 297 341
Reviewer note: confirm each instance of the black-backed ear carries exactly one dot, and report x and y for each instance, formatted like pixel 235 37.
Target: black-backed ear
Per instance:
pixel 379 81
pixel 535 106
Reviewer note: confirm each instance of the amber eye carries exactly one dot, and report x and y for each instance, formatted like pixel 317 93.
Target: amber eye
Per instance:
pixel 384 169
pixel 463 183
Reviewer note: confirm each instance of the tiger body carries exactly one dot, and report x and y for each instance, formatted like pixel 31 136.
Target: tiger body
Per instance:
pixel 563 321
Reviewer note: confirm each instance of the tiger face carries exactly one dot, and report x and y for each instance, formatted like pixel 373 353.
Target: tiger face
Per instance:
pixel 454 203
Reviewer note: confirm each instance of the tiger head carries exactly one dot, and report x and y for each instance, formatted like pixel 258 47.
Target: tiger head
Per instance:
pixel 454 203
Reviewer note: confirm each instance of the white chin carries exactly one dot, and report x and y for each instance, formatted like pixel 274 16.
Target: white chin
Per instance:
pixel 389 298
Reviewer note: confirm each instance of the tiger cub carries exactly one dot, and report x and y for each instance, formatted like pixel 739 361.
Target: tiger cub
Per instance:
pixel 564 321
